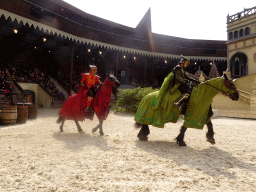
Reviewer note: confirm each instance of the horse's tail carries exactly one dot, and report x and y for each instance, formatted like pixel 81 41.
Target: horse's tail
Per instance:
pixel 137 125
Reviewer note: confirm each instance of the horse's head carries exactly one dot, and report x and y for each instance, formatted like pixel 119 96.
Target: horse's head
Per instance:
pixel 232 91
pixel 112 78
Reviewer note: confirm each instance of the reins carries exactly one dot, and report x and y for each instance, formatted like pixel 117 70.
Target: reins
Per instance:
pixel 223 92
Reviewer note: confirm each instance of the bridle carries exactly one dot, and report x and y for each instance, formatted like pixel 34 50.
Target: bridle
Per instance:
pixel 223 92
pixel 113 80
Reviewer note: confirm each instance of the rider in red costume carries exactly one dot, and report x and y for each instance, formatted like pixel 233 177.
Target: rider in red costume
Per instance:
pixel 77 104
pixel 89 82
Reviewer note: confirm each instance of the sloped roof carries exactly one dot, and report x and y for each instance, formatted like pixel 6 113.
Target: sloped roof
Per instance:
pixel 198 73
pixel 214 72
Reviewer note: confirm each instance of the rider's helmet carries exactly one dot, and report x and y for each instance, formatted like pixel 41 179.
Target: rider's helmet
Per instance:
pixel 92 67
pixel 184 59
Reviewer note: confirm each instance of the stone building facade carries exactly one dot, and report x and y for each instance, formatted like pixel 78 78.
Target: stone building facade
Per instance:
pixel 241 44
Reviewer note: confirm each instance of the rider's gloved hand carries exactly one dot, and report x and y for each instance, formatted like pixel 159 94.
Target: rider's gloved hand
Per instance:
pixel 84 86
pixel 198 82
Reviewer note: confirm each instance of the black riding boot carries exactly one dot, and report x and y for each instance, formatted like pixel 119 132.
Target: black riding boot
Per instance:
pixel 178 102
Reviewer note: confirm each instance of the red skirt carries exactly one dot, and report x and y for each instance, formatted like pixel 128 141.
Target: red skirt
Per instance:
pixel 74 108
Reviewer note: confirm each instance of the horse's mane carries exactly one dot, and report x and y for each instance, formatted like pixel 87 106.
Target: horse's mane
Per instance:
pixel 210 81
pixel 214 82
pixel 105 83
pixel 207 88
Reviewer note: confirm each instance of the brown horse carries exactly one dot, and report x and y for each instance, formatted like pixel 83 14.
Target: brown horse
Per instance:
pixel 100 105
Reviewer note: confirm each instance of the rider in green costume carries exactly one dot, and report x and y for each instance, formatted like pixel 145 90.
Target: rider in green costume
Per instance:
pixel 177 79
pixel 181 81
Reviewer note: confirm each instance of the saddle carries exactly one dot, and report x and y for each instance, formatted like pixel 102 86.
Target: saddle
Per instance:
pixel 92 91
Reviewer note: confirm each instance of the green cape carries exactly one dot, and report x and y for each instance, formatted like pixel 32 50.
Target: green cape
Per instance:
pixel 157 108
pixel 167 88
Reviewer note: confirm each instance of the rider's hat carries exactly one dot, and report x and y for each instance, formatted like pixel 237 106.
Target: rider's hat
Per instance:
pixel 184 59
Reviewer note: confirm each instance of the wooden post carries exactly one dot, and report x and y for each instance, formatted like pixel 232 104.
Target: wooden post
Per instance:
pixel 71 70
pixel 145 73
pixel 117 55
pixel 82 50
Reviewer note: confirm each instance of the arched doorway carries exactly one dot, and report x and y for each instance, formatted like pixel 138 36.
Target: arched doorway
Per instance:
pixel 238 65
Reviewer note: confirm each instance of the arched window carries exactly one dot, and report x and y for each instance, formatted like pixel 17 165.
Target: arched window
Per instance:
pixel 230 35
pixel 247 31
pixel 236 34
pixel 238 65
pixel 241 33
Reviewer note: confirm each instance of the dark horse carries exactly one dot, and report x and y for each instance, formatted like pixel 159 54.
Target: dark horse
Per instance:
pixel 197 113
pixel 100 105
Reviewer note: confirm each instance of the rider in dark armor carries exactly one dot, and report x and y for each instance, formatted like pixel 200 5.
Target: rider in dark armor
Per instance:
pixel 183 81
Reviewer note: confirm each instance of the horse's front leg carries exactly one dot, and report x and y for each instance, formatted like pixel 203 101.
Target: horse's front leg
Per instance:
pixel 98 127
pixel 61 125
pixel 78 127
pixel 210 133
pixel 61 120
pixel 180 138
pixel 95 128
pixel 144 132
pixel 101 130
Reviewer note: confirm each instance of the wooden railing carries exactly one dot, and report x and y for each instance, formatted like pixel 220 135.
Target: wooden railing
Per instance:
pixel 12 97
pixel 18 86
pixel 18 96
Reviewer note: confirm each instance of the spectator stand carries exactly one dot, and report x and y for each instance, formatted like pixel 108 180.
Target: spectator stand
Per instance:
pixel 10 75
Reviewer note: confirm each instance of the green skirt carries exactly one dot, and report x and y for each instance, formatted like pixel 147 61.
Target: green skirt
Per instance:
pixel 147 115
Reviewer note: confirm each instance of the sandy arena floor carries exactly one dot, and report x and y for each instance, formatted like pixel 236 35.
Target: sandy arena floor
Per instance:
pixel 36 157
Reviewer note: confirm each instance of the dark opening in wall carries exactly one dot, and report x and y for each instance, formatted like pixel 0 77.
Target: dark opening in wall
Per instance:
pixel 236 34
pixel 241 33
pixel 230 36
pixel 247 31
pixel 42 14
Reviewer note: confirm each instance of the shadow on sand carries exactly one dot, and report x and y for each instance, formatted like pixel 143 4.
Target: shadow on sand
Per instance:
pixel 77 141
pixel 212 161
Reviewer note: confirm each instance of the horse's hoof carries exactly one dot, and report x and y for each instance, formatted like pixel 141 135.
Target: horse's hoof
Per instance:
pixel 181 143
pixel 80 131
pixel 101 133
pixel 61 129
pixel 211 140
pixel 142 138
